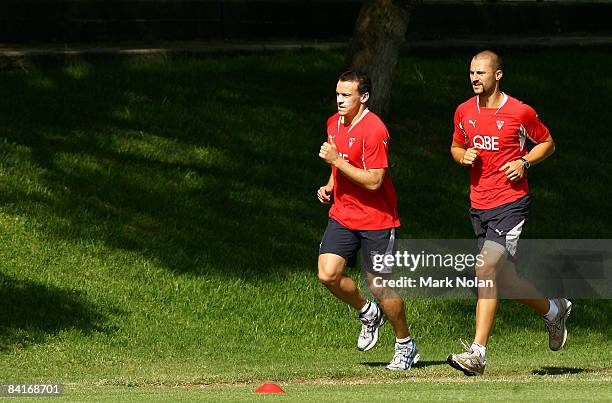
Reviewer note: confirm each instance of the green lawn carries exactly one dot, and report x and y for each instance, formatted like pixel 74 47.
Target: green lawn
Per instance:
pixel 584 388
pixel 158 227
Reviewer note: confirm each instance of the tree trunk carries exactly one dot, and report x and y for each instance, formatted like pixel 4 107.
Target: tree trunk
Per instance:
pixel 379 32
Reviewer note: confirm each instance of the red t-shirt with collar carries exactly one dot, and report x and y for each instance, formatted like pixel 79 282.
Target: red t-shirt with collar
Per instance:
pixel 365 145
pixel 500 136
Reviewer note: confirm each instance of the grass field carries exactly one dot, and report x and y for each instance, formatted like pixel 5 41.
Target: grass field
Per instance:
pixel 159 230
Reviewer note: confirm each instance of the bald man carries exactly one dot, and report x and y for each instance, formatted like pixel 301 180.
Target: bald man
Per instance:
pixel 490 137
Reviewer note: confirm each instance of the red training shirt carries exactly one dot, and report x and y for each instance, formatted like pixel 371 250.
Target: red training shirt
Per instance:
pixel 365 145
pixel 500 135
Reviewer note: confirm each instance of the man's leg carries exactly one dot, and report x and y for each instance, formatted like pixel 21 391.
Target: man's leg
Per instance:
pixel 493 256
pixel 406 352
pixel 485 315
pixel 338 250
pixel 514 287
pixel 382 242
pixel 331 274
pixel 498 231
pixel 392 304
pixel 554 311
pixel 472 362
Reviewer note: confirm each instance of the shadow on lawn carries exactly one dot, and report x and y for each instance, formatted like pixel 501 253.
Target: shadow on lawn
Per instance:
pixel 31 312
pixel 557 371
pixel 420 364
pixel 204 175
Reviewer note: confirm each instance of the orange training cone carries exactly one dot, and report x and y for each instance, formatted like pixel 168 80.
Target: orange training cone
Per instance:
pixel 269 388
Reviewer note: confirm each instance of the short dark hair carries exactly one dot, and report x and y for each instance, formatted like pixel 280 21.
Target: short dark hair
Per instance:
pixel 496 59
pixel 364 84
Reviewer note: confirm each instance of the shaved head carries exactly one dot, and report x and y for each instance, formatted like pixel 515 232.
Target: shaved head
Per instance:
pixel 485 73
pixel 494 58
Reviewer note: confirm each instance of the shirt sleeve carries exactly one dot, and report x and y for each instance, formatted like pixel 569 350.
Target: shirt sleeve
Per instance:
pixel 533 126
pixel 458 133
pixel 329 128
pixel 376 149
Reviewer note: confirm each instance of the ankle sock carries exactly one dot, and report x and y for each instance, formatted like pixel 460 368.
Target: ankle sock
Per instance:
pixel 553 310
pixel 482 350
pixel 368 311
pixel 405 340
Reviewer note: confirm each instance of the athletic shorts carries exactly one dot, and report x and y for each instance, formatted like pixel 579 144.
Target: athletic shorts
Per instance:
pixel 502 224
pixel 374 245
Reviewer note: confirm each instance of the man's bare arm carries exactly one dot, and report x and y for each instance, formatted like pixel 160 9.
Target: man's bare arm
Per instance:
pixel 324 193
pixel 463 155
pixel 369 179
pixel 515 170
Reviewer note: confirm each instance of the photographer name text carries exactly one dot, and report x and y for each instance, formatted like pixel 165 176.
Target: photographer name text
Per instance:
pixel 430 282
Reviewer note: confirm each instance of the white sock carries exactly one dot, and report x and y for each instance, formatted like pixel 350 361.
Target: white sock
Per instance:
pixel 482 350
pixel 368 311
pixel 553 310
pixel 404 340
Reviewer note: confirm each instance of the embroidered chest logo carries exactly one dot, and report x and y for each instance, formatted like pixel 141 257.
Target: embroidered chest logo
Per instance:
pixel 351 141
pixel 472 122
pixel 500 124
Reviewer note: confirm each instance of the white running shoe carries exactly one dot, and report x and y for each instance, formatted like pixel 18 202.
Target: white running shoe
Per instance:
pixel 406 355
pixel 470 362
pixel 369 329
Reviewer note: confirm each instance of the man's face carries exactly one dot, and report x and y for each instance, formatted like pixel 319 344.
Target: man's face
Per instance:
pixel 483 76
pixel 348 98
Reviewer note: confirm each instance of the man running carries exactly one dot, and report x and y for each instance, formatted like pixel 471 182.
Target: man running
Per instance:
pixel 363 215
pixel 490 134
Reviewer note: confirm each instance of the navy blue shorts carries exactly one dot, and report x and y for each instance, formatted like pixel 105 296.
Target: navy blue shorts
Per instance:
pixel 503 224
pixel 374 245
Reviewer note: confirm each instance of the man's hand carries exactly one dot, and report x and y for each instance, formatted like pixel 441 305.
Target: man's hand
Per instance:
pixel 471 154
pixel 324 194
pixel 329 152
pixel 515 170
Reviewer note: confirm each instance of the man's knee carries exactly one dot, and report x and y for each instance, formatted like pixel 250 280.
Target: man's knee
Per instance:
pixel 330 270
pixel 329 278
pixel 493 257
pixel 487 271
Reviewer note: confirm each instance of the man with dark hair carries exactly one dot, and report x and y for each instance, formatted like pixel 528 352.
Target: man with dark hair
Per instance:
pixel 364 84
pixel 363 215
pixel 490 135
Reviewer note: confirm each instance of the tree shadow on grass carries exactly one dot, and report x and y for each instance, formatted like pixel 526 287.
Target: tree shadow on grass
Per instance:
pixel 207 165
pixel 203 176
pixel 557 371
pixel 31 312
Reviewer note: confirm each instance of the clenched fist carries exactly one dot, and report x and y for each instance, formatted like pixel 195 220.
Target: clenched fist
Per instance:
pixel 324 194
pixel 328 151
pixel 471 154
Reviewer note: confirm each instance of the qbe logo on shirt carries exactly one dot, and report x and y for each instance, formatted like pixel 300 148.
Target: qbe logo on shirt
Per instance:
pixel 484 142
